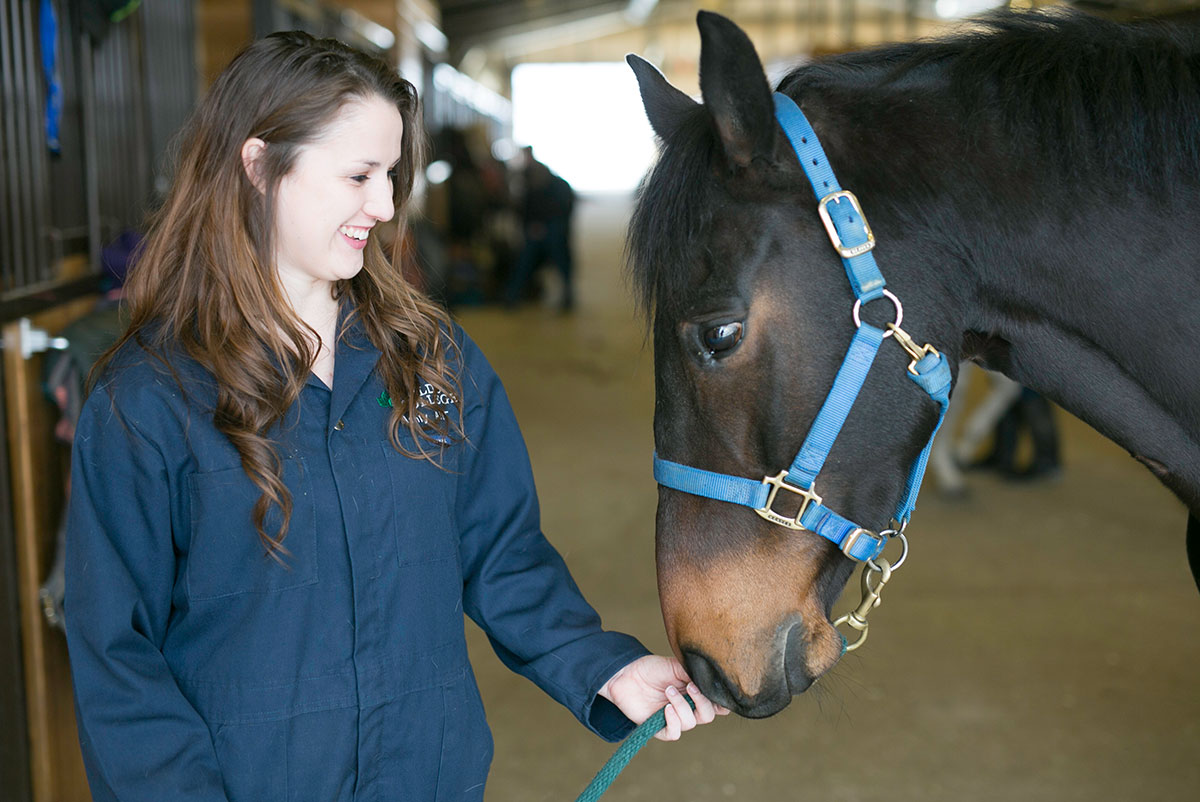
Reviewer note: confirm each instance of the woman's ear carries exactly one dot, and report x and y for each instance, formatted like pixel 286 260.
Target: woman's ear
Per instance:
pixel 253 150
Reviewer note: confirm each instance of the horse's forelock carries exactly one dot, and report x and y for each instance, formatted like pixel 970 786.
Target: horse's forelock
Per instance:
pixel 674 205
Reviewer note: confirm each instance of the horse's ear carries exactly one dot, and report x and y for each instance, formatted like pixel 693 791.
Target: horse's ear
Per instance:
pixel 665 105
pixel 735 90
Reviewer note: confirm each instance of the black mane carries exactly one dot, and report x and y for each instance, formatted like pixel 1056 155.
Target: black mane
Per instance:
pixel 1066 94
pixel 1090 93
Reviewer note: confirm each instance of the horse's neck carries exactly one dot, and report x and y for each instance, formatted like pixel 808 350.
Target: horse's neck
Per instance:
pixel 1101 313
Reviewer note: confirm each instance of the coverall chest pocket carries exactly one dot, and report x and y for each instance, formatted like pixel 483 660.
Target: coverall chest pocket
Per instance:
pixel 422 509
pixel 226 556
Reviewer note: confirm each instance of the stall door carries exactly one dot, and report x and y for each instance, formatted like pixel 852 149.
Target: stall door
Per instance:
pixel 38 472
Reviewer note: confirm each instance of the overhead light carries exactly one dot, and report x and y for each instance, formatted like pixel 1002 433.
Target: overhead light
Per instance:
pixel 428 34
pixel 504 149
pixel 438 171
pixel 638 10
pixel 372 31
pixel 953 9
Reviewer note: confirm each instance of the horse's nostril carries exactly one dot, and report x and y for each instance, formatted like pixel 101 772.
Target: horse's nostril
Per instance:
pixel 795 665
pixel 707 678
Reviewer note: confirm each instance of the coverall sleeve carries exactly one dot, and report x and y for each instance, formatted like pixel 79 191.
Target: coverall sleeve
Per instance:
pixel 516 585
pixel 141 738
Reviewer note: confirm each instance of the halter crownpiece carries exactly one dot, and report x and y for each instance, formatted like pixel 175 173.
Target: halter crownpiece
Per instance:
pixel 852 238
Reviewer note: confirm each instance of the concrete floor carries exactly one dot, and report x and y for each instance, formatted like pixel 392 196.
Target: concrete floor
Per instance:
pixel 1041 643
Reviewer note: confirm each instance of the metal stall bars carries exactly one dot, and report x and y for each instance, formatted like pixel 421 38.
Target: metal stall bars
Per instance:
pixel 124 89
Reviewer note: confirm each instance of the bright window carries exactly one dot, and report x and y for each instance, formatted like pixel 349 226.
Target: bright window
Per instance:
pixel 584 121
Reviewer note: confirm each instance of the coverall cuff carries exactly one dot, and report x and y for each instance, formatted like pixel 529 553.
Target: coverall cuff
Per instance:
pixel 600 715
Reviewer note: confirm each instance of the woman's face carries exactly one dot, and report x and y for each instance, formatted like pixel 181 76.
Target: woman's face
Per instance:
pixel 339 188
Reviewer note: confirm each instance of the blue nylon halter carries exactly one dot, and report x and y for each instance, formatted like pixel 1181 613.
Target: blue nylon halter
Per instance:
pixel 852 238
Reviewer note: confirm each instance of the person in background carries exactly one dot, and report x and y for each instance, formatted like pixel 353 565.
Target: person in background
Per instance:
pixel 546 208
pixel 1032 413
pixel 956 445
pixel 294 475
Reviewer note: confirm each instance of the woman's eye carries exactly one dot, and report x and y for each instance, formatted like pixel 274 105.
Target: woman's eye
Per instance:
pixel 358 179
pixel 719 339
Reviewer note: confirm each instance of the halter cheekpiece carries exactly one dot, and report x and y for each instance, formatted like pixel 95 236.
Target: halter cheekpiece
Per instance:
pixel 852 238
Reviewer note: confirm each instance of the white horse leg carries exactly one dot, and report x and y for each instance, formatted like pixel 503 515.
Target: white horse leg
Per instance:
pixel 946 470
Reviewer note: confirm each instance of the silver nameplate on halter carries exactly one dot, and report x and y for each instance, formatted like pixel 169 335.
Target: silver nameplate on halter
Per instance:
pixel 845 251
pixel 776 483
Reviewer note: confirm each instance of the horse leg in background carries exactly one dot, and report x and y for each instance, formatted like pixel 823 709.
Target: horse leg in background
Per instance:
pixel 1003 457
pixel 947 472
pixel 1193 547
pixel 982 421
pixel 1038 415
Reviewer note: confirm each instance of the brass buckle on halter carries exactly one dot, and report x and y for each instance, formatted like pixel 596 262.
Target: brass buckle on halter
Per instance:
pixel 846 251
pixel 852 539
pixel 776 482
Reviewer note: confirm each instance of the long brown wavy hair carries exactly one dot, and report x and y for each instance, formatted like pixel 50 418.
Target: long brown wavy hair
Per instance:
pixel 206 280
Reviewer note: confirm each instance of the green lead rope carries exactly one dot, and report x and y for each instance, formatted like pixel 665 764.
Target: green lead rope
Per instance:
pixel 625 752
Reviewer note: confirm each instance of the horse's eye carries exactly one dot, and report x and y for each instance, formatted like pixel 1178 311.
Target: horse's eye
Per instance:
pixel 725 337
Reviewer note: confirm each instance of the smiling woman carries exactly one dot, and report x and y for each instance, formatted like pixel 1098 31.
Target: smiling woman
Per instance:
pixel 340 187
pixel 294 475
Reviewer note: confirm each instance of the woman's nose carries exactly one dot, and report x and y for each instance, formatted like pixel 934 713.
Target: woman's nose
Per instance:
pixel 380 204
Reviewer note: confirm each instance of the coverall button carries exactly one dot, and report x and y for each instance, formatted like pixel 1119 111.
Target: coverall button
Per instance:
pixel 339 425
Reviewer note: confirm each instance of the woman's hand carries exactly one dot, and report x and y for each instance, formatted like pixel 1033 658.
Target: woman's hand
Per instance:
pixel 643 687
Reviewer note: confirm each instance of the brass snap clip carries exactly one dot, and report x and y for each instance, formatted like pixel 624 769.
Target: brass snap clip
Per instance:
pixel 917 352
pixel 857 618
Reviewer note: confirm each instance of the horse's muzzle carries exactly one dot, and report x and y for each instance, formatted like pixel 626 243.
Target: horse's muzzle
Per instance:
pixel 713 683
pixel 776 691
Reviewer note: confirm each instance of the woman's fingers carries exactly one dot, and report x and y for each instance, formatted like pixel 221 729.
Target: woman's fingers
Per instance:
pixel 706 711
pixel 672 729
pixel 679 716
pixel 679 703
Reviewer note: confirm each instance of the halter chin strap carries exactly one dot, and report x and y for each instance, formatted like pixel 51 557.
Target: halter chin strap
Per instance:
pixel 852 238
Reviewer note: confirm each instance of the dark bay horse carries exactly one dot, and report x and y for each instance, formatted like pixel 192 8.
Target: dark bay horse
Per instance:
pixel 1034 189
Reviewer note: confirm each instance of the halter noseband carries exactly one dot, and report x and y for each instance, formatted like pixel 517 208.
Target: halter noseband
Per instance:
pixel 852 238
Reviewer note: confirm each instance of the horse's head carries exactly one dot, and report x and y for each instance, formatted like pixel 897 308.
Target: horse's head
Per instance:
pixel 751 320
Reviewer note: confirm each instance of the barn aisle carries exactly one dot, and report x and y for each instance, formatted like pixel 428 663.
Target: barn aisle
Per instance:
pixel 1042 642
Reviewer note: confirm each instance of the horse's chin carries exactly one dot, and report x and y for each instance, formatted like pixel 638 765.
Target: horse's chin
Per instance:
pixel 767 708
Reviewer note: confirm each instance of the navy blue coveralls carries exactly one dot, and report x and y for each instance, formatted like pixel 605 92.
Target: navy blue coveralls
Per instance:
pixel 205 670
